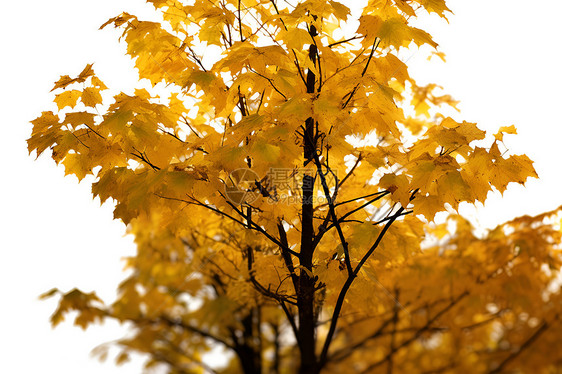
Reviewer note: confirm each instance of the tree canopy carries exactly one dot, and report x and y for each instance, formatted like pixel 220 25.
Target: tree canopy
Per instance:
pixel 283 198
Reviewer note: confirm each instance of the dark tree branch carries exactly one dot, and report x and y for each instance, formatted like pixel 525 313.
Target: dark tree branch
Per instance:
pixel 362 197
pixel 94 131
pixel 259 229
pixel 332 210
pixel 241 103
pixel 530 340
pixel 306 288
pixel 347 351
pixel 197 58
pixel 349 281
pixel 240 22
pixel 344 41
pixel 418 333
pixel 176 322
pixel 314 33
pixel 350 173
pixel 276 365
pixel 171 134
pixel 390 217
pixel 352 93
pixel 253 226
pixel 369 202
pixel 270 82
pixel 144 158
pixel 277 11
pixel 291 320
pixel 393 332
pixel 259 287
pixel 191 128
pixel 297 64
pixel 287 255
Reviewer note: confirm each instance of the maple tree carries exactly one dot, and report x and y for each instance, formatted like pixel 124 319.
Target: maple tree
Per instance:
pixel 282 199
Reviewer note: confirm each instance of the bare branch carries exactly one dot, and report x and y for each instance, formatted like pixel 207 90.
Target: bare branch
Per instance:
pixel 144 158
pixel 259 287
pixel 270 82
pixel 352 93
pixel 542 328
pixel 418 333
pixel 240 22
pixel 369 202
pixel 179 323
pixel 363 197
pixel 344 41
pixel 335 220
pixel 349 281
pixel 286 255
pixel 352 169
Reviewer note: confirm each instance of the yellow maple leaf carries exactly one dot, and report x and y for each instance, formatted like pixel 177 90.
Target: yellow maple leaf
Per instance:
pixel 428 206
pixel 77 164
pixel 91 96
pixel 66 80
pixel 295 38
pixel 505 130
pixel 67 98
pixel 399 186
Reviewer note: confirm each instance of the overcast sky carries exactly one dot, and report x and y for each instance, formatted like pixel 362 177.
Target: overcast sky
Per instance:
pixel 502 63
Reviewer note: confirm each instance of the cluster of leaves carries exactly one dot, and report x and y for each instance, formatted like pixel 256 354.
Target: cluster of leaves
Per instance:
pixel 337 281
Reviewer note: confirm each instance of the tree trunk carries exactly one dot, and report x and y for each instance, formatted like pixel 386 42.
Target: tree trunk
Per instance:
pixel 305 293
pixel 248 350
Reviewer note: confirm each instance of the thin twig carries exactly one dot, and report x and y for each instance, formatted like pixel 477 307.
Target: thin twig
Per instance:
pixel 418 332
pixel 270 82
pixel 344 41
pixel 349 281
pixel 352 93
pixel 240 22
pixel 542 328
pixel 363 197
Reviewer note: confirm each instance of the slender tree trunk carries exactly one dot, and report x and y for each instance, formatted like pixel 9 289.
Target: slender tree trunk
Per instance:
pixel 249 352
pixel 307 324
pixel 276 366
pixel 305 301
pixel 247 357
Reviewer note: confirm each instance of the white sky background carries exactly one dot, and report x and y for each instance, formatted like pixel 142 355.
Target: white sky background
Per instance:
pixel 502 63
